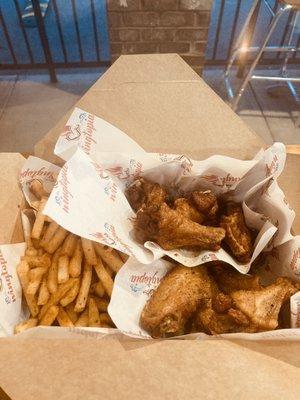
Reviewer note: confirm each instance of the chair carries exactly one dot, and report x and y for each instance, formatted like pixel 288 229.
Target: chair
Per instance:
pixel 284 7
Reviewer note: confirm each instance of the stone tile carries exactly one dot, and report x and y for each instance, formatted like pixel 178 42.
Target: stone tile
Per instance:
pixel 36 105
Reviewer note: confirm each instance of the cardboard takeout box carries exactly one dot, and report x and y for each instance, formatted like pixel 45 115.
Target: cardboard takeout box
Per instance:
pixel 163 105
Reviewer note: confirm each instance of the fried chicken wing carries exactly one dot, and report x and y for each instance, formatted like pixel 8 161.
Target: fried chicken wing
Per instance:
pixel 176 299
pixel 184 207
pixel 171 230
pixel 238 236
pixel 216 313
pixel 229 280
pixel 206 203
pixel 262 306
pixel 143 192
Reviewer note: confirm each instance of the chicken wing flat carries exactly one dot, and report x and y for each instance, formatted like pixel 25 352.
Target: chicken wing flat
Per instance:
pixel 230 280
pixel 171 230
pixel 184 207
pixel 143 192
pixel 176 299
pixel 238 236
pixel 262 306
pixel 206 203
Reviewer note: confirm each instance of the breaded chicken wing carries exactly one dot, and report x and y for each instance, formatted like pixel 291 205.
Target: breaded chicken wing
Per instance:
pixel 238 236
pixel 143 192
pixel 230 280
pixel 262 306
pixel 184 207
pixel 206 203
pixel 176 299
pixel 168 228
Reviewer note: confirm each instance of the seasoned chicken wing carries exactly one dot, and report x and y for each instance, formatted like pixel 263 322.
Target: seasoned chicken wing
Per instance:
pixel 187 210
pixel 216 313
pixel 176 299
pixel 143 192
pixel 206 203
pixel 238 236
pixel 230 280
pixel 171 230
pixel 262 306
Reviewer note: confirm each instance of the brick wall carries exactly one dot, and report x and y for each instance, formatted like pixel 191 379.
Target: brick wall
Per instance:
pixel 160 26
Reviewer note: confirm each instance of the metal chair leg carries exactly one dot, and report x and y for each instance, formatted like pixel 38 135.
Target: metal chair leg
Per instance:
pixel 240 39
pixel 272 26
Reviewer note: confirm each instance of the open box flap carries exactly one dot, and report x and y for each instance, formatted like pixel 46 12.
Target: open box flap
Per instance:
pixel 162 104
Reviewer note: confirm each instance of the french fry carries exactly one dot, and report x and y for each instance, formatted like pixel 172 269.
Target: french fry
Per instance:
pixel 94 319
pixel 57 296
pixel 84 288
pixel 39 220
pixel 83 320
pixel 48 219
pixel 56 240
pixel 102 304
pixel 109 256
pixel 63 269
pixel 35 278
pixel 52 282
pixel 22 271
pixel 105 319
pixel 43 261
pixel 71 294
pixel 71 313
pixel 98 289
pixel 89 251
pixel 49 233
pixel 63 318
pixel 76 261
pixel 37 189
pixel 104 277
pixel 123 256
pixel 44 294
pixel 29 323
pixel 69 245
pixel 50 316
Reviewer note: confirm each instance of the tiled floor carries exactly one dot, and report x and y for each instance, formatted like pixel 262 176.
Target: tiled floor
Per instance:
pixel 30 106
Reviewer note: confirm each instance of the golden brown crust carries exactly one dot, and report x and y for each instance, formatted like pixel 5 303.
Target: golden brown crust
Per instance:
pixel 171 230
pixel 262 306
pixel 238 236
pixel 143 192
pixel 230 280
pixel 184 207
pixel 206 203
pixel 174 302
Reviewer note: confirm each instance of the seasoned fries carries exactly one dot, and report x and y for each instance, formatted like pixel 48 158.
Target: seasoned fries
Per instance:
pixel 56 275
pixel 39 221
pixel 63 269
pixel 84 288
pixel 89 251
pixel 63 318
pixel 104 277
pixel 109 256
pixel 76 261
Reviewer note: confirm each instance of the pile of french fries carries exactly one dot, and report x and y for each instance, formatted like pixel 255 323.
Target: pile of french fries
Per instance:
pixel 66 280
